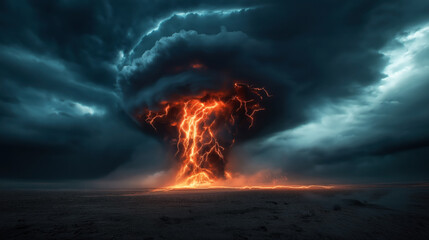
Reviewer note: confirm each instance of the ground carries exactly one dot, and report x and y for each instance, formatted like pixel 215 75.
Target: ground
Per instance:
pixel 351 213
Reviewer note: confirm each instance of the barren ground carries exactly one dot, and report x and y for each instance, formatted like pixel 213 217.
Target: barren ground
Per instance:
pixel 363 213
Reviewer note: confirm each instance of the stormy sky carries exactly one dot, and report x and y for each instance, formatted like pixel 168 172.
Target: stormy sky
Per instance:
pixel 349 79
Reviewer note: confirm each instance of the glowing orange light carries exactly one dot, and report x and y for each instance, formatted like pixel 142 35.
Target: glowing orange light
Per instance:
pixel 152 116
pixel 250 187
pixel 197 65
pixel 199 120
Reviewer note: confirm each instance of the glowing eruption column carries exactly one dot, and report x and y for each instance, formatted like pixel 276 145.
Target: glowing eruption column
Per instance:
pixel 202 123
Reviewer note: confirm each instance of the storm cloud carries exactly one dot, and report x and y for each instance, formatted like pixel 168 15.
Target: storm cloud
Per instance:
pixel 349 82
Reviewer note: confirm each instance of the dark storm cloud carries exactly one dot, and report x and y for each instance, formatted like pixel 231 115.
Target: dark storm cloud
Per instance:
pixel 302 54
pixel 55 125
pixel 59 110
pixel 67 68
pixel 380 135
pixel 182 49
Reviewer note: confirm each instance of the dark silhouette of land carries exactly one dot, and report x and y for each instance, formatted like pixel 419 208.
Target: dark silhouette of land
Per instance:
pixel 388 212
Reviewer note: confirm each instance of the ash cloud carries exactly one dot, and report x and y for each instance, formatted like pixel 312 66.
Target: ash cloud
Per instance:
pixel 71 72
pixel 164 72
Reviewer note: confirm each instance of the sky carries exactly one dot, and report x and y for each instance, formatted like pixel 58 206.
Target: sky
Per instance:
pixel 349 79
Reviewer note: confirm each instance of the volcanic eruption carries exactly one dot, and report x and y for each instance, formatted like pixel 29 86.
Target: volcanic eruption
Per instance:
pixel 199 95
pixel 203 128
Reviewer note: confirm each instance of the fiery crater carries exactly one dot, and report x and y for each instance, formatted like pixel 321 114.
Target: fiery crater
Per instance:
pixel 203 128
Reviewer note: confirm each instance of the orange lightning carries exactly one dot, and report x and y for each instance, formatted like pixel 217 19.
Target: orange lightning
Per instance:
pixel 198 141
pixel 152 116
pixel 199 121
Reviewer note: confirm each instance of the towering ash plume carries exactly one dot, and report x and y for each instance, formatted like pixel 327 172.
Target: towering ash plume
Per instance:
pixel 200 93
pixel 199 100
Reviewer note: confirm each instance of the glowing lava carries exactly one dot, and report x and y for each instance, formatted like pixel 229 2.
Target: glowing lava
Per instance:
pixel 204 128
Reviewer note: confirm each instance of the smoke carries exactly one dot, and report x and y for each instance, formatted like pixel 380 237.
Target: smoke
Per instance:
pixel 204 84
pixel 188 63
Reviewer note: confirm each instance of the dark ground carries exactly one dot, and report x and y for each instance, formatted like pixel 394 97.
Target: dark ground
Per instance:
pixel 362 213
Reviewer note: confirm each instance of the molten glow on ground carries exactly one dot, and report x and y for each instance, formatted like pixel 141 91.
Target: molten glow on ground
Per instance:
pixel 203 128
pixel 245 187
